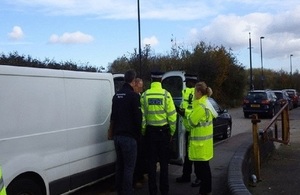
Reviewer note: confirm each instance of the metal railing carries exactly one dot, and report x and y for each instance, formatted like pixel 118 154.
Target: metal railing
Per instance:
pixel 281 133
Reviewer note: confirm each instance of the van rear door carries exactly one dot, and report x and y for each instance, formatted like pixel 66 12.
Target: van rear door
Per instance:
pixel 174 82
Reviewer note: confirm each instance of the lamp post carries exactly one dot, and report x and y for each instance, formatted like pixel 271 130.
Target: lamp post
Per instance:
pixel 291 63
pixel 261 62
pixel 251 80
pixel 139 32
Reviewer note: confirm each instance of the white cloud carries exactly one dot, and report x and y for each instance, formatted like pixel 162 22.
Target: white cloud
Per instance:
pixel 16 33
pixel 281 32
pixel 75 37
pixel 152 41
pixel 125 9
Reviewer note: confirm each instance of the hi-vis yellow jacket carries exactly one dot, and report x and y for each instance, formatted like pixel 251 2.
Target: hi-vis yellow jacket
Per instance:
pixel 158 108
pixel 200 121
pixel 187 103
pixel 2 187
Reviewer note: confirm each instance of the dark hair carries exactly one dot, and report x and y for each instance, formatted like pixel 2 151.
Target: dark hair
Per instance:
pixel 129 76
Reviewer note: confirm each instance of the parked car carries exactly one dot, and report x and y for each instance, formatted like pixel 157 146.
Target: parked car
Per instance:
pixel 261 102
pixel 293 94
pixel 283 97
pixel 223 123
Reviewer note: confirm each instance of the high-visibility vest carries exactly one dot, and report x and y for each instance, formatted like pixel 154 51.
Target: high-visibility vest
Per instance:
pixel 201 131
pixel 187 104
pixel 2 187
pixel 158 108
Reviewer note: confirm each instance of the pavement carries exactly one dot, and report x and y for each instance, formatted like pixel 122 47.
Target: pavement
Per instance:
pixel 280 172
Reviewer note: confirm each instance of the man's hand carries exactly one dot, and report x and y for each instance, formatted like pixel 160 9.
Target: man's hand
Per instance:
pixel 109 134
pixel 180 111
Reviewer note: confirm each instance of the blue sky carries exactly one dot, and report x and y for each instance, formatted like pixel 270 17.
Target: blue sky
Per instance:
pixel 99 31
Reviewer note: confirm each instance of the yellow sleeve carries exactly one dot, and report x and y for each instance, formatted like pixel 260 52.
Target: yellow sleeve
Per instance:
pixel 171 113
pixel 198 114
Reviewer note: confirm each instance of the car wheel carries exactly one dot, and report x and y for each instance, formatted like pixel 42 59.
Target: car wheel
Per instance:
pixel 246 115
pixel 227 133
pixel 24 186
pixel 272 113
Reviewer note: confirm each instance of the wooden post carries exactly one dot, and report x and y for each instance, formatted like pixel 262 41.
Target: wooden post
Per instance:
pixel 256 151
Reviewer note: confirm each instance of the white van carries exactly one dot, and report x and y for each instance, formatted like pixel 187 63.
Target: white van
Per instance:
pixel 53 133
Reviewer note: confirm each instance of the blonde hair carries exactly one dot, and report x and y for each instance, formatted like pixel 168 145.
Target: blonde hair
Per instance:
pixel 203 88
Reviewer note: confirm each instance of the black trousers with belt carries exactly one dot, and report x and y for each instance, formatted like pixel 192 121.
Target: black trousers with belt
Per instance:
pixel 158 150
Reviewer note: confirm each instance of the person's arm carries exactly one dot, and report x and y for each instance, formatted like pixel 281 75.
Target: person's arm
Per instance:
pixel 142 101
pixel 137 113
pixel 110 132
pixel 171 113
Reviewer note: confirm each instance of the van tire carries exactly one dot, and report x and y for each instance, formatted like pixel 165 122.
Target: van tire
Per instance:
pixel 24 186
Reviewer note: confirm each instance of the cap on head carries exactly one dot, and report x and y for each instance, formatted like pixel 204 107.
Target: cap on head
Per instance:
pixel 157 75
pixel 191 77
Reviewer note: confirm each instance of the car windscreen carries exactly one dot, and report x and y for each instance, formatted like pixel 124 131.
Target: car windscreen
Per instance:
pixel 279 95
pixel 256 96
pixel 291 93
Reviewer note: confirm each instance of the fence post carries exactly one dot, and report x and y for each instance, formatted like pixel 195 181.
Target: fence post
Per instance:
pixel 285 126
pixel 256 151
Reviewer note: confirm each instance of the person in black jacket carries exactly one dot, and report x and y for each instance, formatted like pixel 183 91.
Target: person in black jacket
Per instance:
pixel 126 119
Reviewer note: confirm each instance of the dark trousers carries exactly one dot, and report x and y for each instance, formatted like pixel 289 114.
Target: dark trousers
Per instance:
pixel 188 164
pixel 204 176
pixel 141 163
pixel 126 150
pixel 158 148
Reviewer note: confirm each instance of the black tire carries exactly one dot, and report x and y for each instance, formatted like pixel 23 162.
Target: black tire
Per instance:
pixel 24 186
pixel 246 115
pixel 227 133
pixel 272 113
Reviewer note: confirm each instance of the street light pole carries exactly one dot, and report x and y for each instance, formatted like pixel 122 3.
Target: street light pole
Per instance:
pixel 291 63
pixel 251 81
pixel 261 62
pixel 139 32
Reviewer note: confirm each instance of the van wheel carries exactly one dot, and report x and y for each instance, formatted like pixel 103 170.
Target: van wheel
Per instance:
pixel 24 186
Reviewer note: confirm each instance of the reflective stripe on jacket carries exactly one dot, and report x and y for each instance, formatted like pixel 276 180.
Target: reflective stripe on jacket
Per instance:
pixel 200 121
pixel 2 187
pixel 158 108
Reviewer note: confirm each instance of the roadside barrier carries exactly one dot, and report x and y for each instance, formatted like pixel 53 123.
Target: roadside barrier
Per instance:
pixel 281 134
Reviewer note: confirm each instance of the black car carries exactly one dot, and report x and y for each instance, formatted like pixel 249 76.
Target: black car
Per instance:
pixel 261 102
pixel 223 123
